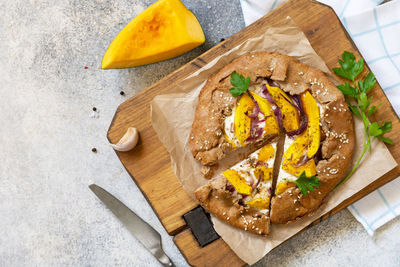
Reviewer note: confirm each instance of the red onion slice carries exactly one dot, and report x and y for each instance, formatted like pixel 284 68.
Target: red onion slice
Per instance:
pixel 253 114
pixel 272 83
pixel 255 102
pixel 302 161
pixel 258 182
pixel 230 188
pixel 275 108
pixel 303 117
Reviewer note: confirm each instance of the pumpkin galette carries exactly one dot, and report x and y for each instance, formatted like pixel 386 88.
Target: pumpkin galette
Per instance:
pixel 299 125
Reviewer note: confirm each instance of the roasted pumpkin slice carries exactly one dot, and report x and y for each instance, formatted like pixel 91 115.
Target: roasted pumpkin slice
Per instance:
pixel 266 173
pixel 238 182
pixel 266 152
pixel 313 131
pixel 271 123
pixel 297 150
pixel 309 167
pixel 259 203
pixel 290 115
pixel 282 186
pixel 242 121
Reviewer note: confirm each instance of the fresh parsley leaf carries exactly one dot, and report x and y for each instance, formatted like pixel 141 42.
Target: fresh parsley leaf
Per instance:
pixel 240 84
pixel 355 110
pixel 350 68
pixel 359 103
pixel 374 129
pixel 385 139
pixel 368 83
pixel 386 127
pixel 305 183
pixel 362 101
pixel 347 89
pixel 372 110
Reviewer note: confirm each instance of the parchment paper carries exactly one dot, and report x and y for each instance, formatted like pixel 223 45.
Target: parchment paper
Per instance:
pixel 172 116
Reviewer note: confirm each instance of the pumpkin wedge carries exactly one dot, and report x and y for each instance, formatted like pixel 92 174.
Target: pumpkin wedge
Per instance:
pixel 242 121
pixel 290 120
pixel 238 182
pixel 312 111
pixel 164 30
pixel 271 123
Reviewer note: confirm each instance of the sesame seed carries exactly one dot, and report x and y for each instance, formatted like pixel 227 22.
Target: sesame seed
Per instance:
pixel 334 108
pixel 192 137
pixel 245 228
pixel 257 229
pixel 224 213
pixel 319 192
pixel 227 218
pixel 253 227
pixel 259 232
pixel 297 209
pixel 216 197
pixel 279 196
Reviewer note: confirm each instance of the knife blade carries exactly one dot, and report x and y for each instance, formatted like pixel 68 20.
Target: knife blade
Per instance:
pixel 140 229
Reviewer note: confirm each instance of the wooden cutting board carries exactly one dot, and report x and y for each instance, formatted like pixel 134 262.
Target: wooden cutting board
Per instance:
pixel 149 163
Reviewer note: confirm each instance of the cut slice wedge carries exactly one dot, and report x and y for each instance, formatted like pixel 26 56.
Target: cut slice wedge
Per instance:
pixel 241 195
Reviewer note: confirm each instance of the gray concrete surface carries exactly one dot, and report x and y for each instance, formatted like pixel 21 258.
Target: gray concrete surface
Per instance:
pixel 48 216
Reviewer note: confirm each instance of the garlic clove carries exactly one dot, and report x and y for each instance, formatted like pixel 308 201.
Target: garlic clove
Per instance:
pixel 128 141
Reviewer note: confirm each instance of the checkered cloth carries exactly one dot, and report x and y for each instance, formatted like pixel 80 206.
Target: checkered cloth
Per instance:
pixel 376 32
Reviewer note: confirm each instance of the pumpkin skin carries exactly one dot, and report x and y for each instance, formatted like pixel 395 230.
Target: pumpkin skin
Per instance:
pixel 164 30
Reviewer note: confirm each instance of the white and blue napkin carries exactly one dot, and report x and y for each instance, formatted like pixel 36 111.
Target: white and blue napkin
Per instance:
pixel 375 29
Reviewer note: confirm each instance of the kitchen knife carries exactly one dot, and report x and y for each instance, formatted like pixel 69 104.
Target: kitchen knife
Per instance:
pixel 146 234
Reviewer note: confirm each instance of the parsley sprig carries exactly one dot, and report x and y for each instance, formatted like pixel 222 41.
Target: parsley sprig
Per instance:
pixel 304 183
pixel 360 104
pixel 240 83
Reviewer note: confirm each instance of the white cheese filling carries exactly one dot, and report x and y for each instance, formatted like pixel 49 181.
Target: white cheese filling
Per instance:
pixel 245 170
pixel 282 173
pixel 229 128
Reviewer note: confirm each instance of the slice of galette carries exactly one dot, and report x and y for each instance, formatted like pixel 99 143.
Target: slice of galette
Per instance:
pixel 241 195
